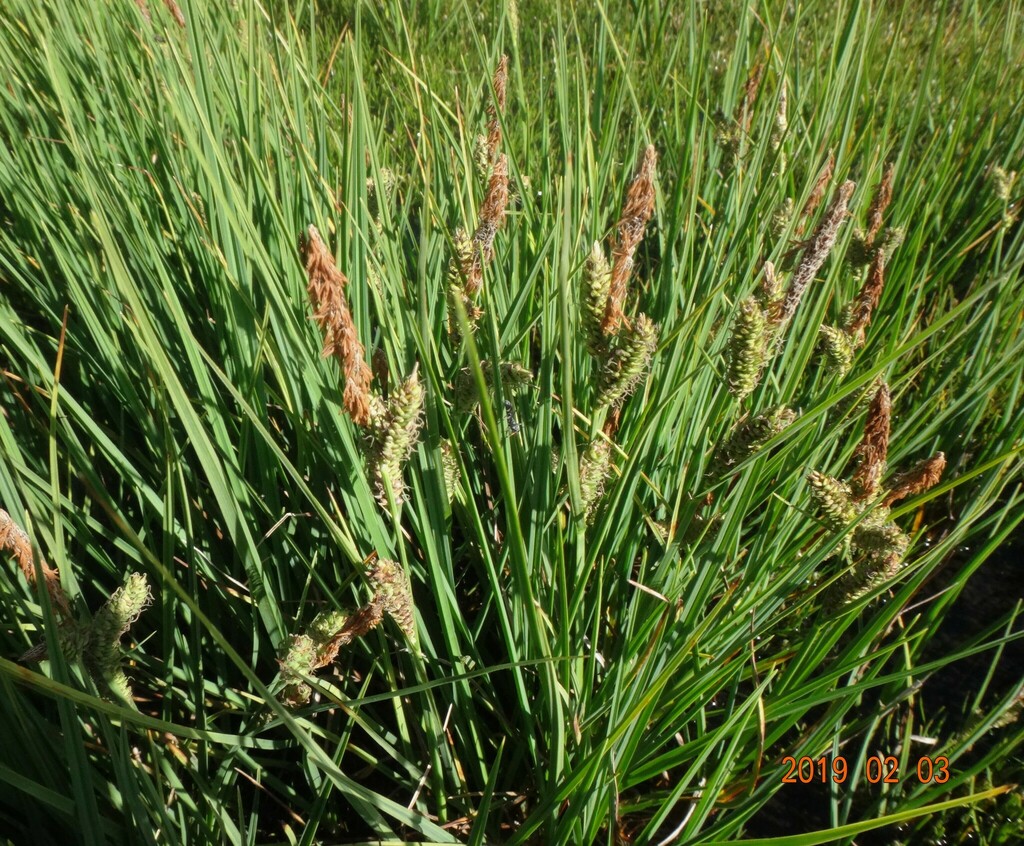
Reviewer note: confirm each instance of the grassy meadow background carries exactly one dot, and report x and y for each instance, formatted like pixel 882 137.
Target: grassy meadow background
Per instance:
pixel 629 672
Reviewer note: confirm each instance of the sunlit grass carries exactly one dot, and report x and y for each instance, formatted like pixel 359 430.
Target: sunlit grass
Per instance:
pixel 624 617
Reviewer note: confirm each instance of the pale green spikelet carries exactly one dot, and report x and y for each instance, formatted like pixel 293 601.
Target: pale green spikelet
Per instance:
pixel 728 135
pixel 870 572
pixel 460 266
pixel 781 122
pixel 379 195
pixel 513 18
pixel 112 621
pixel 747 349
pixel 597 275
pixel 462 256
pixel 394 435
pixel 769 292
pixel 892 237
pixel 119 686
pixel 296 694
pixel 625 366
pixel 833 498
pixel 752 433
pixel 298 662
pixel 326 625
pixel 836 348
pixel 1003 182
pixel 858 253
pixel 72 639
pixel 781 218
pixel 881 538
pixel 514 376
pixel 465 392
pixel 394 595
pixel 481 157
pixel 300 657
pixel 450 468
pixel 595 465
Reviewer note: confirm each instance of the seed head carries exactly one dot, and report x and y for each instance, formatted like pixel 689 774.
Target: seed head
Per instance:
pixel 357 624
pixel 450 468
pixel 769 294
pixel 836 350
pixel 499 83
pixel 595 465
pixel 817 250
pixel 751 433
pixel 636 212
pixel 833 499
pixel 818 191
pixel 879 203
pixel 326 625
pixel 873 449
pixel 892 237
pixel 326 290
pixel 1003 182
pixel 597 275
pixel 881 541
pixel 747 348
pixel 112 621
pixel 922 476
pixel 780 218
pixel 781 123
pixel 394 595
pixel 14 541
pixel 625 366
pixel 394 435
pixel 858 315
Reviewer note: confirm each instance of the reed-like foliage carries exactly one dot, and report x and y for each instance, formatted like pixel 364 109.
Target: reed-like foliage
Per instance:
pixel 546 580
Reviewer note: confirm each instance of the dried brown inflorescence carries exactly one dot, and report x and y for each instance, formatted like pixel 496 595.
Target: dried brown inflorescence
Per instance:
pixel 357 624
pixel 919 478
pixel 636 212
pixel 393 593
pixel 873 449
pixel 818 191
pixel 861 309
pixel 500 84
pixel 745 110
pixel 466 266
pixel 817 250
pixel 14 541
pixel 326 287
pixel 492 216
pixel 879 203
pixel 176 12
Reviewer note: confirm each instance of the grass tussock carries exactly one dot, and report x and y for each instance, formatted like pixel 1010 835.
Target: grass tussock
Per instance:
pixel 643 322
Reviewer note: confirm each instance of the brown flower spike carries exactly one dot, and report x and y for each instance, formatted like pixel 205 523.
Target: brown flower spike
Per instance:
pixel 14 541
pixel 861 309
pixel 500 84
pixel 636 212
pixel 326 289
pixel 879 203
pixel 492 216
pixel 874 447
pixel 818 248
pixel 818 191
pixel 919 478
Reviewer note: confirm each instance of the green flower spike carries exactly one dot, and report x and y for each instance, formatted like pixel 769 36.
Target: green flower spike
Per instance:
pixel 747 349
pixel 112 621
